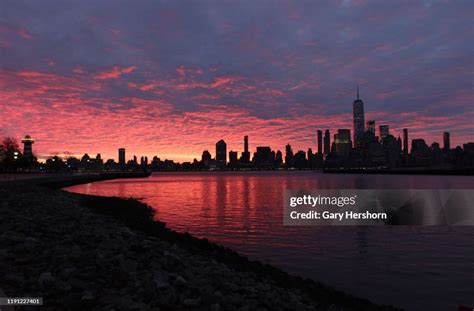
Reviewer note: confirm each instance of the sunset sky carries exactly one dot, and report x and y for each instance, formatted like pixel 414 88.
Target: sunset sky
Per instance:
pixel 171 78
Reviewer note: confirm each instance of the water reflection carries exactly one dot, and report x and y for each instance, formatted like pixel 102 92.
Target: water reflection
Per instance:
pixel 412 267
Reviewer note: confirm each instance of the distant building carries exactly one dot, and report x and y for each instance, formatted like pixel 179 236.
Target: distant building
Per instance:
pixel 405 141
pixel 358 115
pixel 121 156
pixel 28 147
pixel 342 142
pixel 206 158
pixel 371 126
pixel 289 157
pixel 233 158
pixel 327 142
pixel 420 153
pixel 221 153
pixel 392 148
pixel 278 159
pixel 320 141
pixel 384 131
pixel 246 154
pixel 300 159
pixel 446 141
pixel 85 158
pixel 264 158
pixel 372 153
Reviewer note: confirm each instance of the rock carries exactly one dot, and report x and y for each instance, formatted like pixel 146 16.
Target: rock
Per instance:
pixel 76 252
pixel 45 279
pixel 100 264
pixel 191 302
pixel 160 283
pixel 215 307
pixel 86 295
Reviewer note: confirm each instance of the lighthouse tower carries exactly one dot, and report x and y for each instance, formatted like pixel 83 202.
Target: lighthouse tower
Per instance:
pixel 28 147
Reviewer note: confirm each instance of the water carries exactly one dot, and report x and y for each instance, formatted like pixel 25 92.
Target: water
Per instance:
pixel 415 267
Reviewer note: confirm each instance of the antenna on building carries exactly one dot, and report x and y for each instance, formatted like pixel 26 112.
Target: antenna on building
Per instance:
pixel 357 90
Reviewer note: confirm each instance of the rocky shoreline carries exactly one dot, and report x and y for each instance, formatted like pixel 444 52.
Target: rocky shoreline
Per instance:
pixel 83 252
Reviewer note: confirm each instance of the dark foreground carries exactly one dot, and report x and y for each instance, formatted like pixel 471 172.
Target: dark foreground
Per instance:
pixel 83 252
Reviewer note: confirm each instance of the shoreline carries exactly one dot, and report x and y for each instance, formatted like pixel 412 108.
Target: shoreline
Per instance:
pixel 414 171
pixel 132 215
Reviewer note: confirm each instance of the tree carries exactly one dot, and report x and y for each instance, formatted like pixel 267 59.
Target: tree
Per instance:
pixel 10 155
pixel 55 164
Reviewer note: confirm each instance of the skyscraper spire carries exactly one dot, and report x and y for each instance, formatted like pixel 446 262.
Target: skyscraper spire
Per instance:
pixel 357 90
pixel 359 120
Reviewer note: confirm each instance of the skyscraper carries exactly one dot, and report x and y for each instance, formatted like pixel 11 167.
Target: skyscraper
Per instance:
pixel 246 154
pixel 263 157
pixel 327 142
pixel 405 141
pixel 289 157
pixel 447 141
pixel 320 141
pixel 384 131
pixel 221 153
pixel 343 142
pixel 278 158
pixel 358 115
pixel 121 156
pixel 232 158
pixel 371 126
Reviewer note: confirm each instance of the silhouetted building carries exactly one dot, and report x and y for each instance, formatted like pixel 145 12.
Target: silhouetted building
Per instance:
pixel 73 164
pixel 372 153
pixel 327 142
pixel 446 141
pixel 405 141
pixel 289 158
pixel 221 153
pixel 315 160
pixel 371 126
pixel 28 147
pixel 264 158
pixel 155 163
pixel 206 158
pixel 246 154
pixel 392 148
pixel 342 142
pixel 233 158
pixel 300 160
pixel 121 156
pixel 278 159
pixel 320 141
pixel 85 158
pixel 420 153
pixel 310 156
pixel 468 157
pixel 437 159
pixel 143 161
pixel 384 131
pixel 359 123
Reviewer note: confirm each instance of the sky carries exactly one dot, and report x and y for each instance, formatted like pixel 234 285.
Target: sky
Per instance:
pixel 171 78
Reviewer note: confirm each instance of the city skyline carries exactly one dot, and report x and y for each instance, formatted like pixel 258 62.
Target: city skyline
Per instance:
pixel 172 79
pixel 320 146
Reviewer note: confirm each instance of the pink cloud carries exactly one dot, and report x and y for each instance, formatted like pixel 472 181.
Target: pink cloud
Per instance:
pixel 114 72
